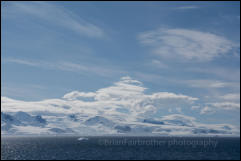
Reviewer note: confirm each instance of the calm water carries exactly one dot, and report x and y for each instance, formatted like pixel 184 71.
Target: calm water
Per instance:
pixel 155 148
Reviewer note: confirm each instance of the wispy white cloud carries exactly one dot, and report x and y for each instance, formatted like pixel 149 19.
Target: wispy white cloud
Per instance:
pixel 92 68
pixel 221 72
pixel 231 97
pixel 179 110
pixel 25 90
pixel 206 110
pixel 217 102
pixel 195 107
pixel 185 44
pixel 56 15
pixel 78 95
pixel 226 105
pixel 220 106
pixel 187 7
pixel 23 62
pixel 166 95
pixel 159 64
pixel 206 83
pixel 66 66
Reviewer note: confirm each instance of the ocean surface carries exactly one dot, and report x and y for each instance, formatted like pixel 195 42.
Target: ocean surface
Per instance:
pixel 119 148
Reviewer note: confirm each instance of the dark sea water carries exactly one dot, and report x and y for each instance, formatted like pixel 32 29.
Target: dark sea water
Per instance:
pixel 106 148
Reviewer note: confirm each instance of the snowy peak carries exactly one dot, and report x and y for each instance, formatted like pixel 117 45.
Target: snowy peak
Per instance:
pixel 22 118
pixel 27 119
pixel 8 119
pixel 99 120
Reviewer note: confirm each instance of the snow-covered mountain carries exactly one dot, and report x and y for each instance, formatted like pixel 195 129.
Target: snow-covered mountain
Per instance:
pixel 98 120
pixel 122 109
pixel 27 119
pixel 24 123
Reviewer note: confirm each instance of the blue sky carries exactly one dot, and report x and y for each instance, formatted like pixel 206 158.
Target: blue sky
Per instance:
pixel 190 48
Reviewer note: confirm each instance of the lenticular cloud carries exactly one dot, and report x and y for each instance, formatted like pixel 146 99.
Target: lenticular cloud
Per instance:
pixel 186 44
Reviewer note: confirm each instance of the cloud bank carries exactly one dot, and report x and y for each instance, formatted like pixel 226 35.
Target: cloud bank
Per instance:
pixel 123 107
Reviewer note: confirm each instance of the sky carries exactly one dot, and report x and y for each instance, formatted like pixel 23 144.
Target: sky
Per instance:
pixel 189 49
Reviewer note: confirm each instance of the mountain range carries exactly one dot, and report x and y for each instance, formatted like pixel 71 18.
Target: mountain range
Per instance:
pixel 121 109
